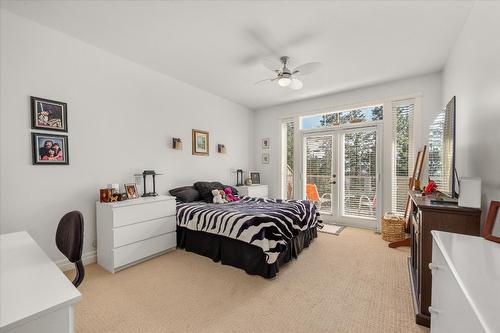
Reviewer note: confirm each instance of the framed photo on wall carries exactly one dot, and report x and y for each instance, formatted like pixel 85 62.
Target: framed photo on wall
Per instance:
pixel 265 158
pixel 200 142
pixel 265 143
pixel 49 148
pixel 49 115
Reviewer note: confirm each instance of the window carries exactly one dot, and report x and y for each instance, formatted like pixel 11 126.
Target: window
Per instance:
pixel 287 182
pixel 402 146
pixel 366 114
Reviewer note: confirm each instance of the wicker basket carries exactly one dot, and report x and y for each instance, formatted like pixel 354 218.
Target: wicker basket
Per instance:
pixel 393 228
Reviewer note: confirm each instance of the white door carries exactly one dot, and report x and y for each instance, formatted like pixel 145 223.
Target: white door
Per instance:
pixel 341 174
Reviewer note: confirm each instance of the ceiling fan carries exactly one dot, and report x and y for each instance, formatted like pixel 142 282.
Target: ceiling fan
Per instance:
pixel 285 76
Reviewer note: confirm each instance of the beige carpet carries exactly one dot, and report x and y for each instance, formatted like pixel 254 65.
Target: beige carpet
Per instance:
pixel 347 283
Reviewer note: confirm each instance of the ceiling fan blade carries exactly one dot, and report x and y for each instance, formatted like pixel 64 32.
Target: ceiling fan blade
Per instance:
pixel 272 65
pixel 307 68
pixel 296 84
pixel 264 81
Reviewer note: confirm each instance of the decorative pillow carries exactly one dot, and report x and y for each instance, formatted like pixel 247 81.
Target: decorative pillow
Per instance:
pixel 206 188
pixel 186 194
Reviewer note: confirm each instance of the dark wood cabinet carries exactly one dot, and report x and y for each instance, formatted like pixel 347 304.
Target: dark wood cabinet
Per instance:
pixel 426 216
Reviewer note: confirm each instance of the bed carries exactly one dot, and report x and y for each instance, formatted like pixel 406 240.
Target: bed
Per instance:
pixel 255 234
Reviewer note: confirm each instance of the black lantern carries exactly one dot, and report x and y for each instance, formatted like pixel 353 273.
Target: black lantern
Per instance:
pixel 153 174
pixel 239 177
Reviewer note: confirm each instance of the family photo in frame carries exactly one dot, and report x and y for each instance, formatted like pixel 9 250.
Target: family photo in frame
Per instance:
pixel 49 148
pixel 131 191
pixel 48 115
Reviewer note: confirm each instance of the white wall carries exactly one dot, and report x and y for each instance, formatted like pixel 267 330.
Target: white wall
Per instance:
pixel 122 117
pixel 267 122
pixel 472 74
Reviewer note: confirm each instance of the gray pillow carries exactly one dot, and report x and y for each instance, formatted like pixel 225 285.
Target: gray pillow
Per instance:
pixel 206 188
pixel 186 194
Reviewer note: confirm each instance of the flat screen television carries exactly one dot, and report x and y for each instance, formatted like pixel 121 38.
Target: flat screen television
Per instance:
pixel 442 150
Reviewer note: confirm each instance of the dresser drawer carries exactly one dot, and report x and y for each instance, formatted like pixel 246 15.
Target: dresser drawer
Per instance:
pixel 257 191
pixel 143 212
pixel 129 253
pixel 450 309
pixel 135 232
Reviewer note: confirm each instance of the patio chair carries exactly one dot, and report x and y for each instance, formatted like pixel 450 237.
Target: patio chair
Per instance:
pixel 313 195
pixel 365 201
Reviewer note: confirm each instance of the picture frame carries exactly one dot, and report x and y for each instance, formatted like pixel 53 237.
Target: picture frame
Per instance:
pixel 491 229
pixel 265 143
pixel 265 158
pixel 48 115
pixel 255 177
pixel 131 191
pixel 49 149
pixel 105 194
pixel 200 142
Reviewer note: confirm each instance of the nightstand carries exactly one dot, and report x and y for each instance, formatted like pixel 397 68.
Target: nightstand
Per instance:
pixel 256 191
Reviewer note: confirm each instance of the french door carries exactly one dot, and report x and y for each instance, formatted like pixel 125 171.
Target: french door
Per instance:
pixel 341 174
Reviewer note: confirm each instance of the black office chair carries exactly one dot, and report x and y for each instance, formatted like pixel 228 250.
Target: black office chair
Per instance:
pixel 69 240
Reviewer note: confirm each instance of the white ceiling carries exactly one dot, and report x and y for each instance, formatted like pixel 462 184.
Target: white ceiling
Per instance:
pixel 216 45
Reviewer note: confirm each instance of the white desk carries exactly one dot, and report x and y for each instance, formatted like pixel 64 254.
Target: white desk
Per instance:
pixel 35 296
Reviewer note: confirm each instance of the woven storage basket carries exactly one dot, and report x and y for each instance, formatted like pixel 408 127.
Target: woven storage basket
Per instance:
pixel 393 228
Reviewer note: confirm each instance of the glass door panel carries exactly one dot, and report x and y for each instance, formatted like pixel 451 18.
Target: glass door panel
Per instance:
pixel 359 173
pixel 319 168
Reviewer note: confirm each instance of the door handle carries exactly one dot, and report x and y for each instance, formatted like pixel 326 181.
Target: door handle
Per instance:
pixel 433 311
pixel 433 267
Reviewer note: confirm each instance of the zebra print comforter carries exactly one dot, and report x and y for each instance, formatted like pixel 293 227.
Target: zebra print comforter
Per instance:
pixel 267 223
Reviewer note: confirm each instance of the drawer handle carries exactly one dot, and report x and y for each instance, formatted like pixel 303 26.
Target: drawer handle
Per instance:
pixel 433 267
pixel 433 311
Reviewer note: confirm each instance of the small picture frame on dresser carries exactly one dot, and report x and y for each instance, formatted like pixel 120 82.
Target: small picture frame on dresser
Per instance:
pixel 491 230
pixel 131 191
pixel 255 177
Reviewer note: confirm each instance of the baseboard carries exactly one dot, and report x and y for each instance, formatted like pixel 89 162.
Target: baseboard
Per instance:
pixel 87 258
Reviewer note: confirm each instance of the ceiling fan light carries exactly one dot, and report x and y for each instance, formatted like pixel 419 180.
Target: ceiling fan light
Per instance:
pixel 284 81
pixel 296 84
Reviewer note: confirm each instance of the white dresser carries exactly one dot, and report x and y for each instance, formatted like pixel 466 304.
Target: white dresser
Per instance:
pixel 465 284
pixel 134 230
pixel 255 191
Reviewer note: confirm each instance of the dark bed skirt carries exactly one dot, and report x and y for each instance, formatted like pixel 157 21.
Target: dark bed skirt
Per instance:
pixel 239 254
